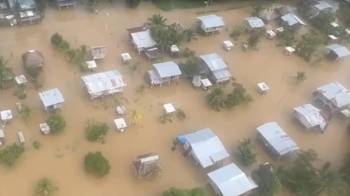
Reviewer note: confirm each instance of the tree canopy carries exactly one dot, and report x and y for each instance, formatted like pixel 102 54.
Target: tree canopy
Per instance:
pixel 185 192
pixel 96 164
pixel 10 154
pixel 56 123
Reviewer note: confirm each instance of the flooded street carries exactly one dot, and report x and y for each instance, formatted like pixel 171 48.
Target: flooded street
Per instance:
pixel 61 157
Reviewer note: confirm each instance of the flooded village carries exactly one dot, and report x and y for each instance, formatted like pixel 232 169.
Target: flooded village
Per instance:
pixel 167 125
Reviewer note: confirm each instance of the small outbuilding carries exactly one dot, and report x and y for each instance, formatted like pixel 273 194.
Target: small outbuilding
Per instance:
pixel 230 180
pixel 91 65
pixel 211 23
pixel 141 39
pixel 164 73
pixel 215 68
pixel 20 138
pixel 98 52
pixel 33 59
pixel 310 117
pixel 337 51
pixel 228 45
pixel 262 88
pixel 254 23
pixel 125 57
pixel 6 115
pixel 120 124
pixel 276 140
pixel 292 21
pixel 169 108
pixel 147 165
pixel 44 128
pixel 104 83
pixel 204 147
pixel 51 99
pixel 21 79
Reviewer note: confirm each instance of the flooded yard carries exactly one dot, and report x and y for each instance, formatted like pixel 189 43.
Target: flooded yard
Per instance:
pixel 61 156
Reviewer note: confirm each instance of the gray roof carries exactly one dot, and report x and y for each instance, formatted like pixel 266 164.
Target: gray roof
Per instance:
pixel 339 50
pixel 335 93
pixel 291 19
pixel 51 97
pixel 143 39
pixel 277 138
pixel 231 181
pixel 167 69
pixel 310 116
pixel 211 21
pixel 322 5
pixel 206 147
pixel 255 22
pixel 213 61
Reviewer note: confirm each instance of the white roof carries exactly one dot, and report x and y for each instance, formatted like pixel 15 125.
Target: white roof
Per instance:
pixel 6 115
pixel 277 138
pixel 214 61
pixel 169 108
pixel 143 39
pixel 91 64
pixel 167 69
pixel 206 147
pixel 211 21
pixel 51 97
pixel 104 81
pixel 291 19
pixel 231 181
pixel 336 93
pixel 310 116
pixel 255 22
pixel 322 5
pixel 120 123
pixel 21 79
pixel 339 50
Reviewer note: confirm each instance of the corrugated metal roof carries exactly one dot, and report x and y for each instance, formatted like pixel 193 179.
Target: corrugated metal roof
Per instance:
pixel 213 61
pixel 336 93
pixel 51 97
pixel 310 116
pixel 211 21
pixel 167 69
pixel 339 50
pixel 291 19
pixel 143 39
pixel 231 181
pixel 255 22
pixel 277 138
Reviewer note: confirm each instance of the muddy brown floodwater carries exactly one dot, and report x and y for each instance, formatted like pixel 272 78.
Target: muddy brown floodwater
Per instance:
pixel 60 157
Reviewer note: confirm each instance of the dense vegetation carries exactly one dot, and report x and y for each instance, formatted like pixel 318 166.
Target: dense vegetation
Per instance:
pixel 245 152
pixel 56 123
pixel 96 164
pixel 10 154
pixel 6 73
pixel 185 192
pixel 267 180
pixel 95 131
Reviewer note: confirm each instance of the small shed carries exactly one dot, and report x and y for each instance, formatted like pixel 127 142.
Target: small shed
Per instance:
pixel 104 83
pixel 230 180
pixel 262 88
pixel 310 117
pixel 291 20
pixel 147 165
pixel 162 73
pixel 33 59
pixel 254 23
pixel 44 128
pixel 120 124
pixel 288 50
pixel 211 23
pixel 206 84
pixel 174 50
pixel 121 110
pixel 276 140
pixel 91 65
pixel 20 138
pixel 98 52
pixel 6 115
pixel 125 57
pixel 169 108
pixel 51 99
pixel 21 79
pixel 270 34
pixel 337 51
pixel 215 68
pixel 141 39
pixel 228 45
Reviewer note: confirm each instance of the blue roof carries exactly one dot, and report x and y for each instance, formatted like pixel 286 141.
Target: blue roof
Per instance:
pixel 167 69
pixel 255 22
pixel 211 21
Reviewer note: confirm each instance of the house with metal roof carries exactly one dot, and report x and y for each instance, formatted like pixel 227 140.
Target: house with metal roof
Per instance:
pixel 51 99
pixel 230 180
pixel 214 67
pixel 104 83
pixel 254 23
pixel 333 97
pixel 337 51
pixel 313 8
pixel 310 117
pixel 204 147
pixel 141 39
pixel 291 20
pixel 276 140
pixel 164 73
pixel 211 23
pixel 65 3
pixel 26 10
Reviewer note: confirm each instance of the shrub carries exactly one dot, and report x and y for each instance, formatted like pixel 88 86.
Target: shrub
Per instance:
pixel 44 187
pixel 308 45
pixel 191 66
pixel 133 3
pixel 56 40
pixel 185 192
pixel 245 152
pixel 25 112
pixel 236 32
pixel 216 99
pixel 266 178
pixel 10 154
pixel 180 114
pixel 96 131
pixel 36 144
pixel 56 123
pixel 301 76
pixel 6 73
pixel 96 164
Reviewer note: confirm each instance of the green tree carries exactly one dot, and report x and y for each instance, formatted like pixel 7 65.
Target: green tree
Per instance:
pixel 96 164
pixel 308 45
pixel 133 3
pixel 56 123
pixel 157 19
pixel 6 74
pixel 185 192
pixel 10 154
pixel 216 99
pixel 245 152
pixel 25 112
pixel 96 131
pixel 44 187
pixel 266 178
pixel 286 38
pixel 237 96
pixel 253 39
pixel 191 66
pixel 301 76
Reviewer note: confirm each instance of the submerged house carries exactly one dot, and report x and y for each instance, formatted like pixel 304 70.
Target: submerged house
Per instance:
pixel 143 42
pixel 204 147
pixel 276 140
pixel 254 23
pixel 337 51
pixel 51 99
pixel 26 11
pixel 103 83
pixel 211 23
pixel 164 73
pixel 291 20
pixel 65 3
pixel 230 180
pixel 310 117
pixel 333 97
pixel 147 165
pixel 214 67
pixel 33 59
pixel 313 8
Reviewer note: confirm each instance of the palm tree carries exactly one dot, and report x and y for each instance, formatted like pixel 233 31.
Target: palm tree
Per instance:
pixel 157 19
